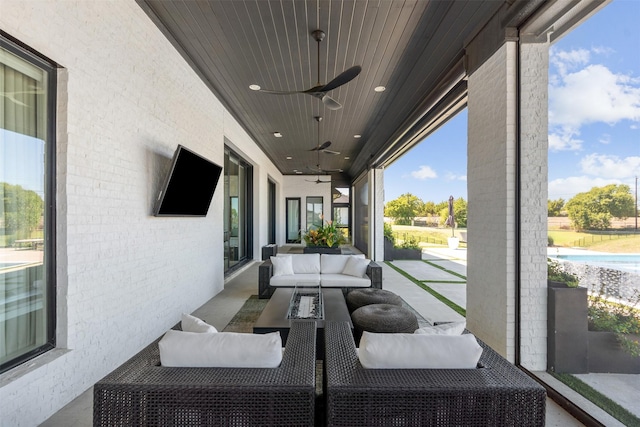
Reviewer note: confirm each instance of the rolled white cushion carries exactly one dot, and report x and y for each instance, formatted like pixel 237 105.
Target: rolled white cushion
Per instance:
pixel 282 265
pixel 221 350
pixel 453 328
pixel 191 323
pixel 356 267
pixel 415 351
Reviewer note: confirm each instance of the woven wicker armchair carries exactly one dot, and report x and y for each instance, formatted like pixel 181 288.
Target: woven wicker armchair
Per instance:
pixel 143 393
pixel 495 394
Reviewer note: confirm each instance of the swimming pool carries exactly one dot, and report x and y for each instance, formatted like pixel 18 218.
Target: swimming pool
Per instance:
pixel 624 262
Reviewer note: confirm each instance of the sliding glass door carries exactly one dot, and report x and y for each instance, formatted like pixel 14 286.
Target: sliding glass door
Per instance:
pixel 237 201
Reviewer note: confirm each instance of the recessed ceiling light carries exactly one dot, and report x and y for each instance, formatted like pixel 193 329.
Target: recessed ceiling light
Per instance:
pixel 380 89
pixel 298 172
pixel 254 87
pixel 357 136
pixel 277 134
pixel 347 157
pixel 289 157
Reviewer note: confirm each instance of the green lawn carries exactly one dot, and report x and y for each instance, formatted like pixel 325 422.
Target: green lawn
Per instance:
pixel 623 242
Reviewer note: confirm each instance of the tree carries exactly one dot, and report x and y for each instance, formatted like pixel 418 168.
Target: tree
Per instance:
pixel 593 210
pixel 429 209
pixel 459 212
pixel 555 207
pixel 404 208
pixel 23 209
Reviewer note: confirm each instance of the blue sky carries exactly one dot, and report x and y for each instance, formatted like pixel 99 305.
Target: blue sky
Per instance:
pixel 594 118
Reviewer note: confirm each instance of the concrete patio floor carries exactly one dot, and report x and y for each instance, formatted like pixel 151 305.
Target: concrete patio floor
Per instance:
pixel 220 309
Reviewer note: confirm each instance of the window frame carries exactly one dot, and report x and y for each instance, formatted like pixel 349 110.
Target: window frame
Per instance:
pixel 49 263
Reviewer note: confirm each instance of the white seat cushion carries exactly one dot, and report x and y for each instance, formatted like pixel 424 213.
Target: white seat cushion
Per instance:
pixel 342 280
pixel 294 279
pixel 334 264
pixel 221 350
pixel 416 351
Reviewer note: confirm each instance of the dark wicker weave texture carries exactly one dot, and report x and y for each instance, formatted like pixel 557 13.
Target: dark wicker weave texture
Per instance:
pixel 143 393
pixel 360 297
pixel 495 394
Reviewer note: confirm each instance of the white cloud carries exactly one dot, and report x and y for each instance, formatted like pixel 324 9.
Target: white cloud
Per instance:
pixel 425 172
pixel 581 93
pixel 605 139
pixel 566 188
pixel 593 94
pixel 610 166
pixel 565 60
pixel 564 140
pixel 453 177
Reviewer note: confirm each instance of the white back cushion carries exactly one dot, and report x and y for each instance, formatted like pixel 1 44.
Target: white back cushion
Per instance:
pixel 221 350
pixel 282 265
pixel 334 264
pixel 191 323
pixel 356 267
pixel 415 351
pixel 306 263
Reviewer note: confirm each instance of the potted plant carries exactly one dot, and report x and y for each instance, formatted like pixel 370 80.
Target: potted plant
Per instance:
pixel 389 242
pixel 409 248
pixel 324 239
pixel 567 342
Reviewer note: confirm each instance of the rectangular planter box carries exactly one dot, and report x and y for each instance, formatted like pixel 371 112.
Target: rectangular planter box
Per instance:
pixel 398 253
pixel 321 250
pixel 567 342
pixel 606 355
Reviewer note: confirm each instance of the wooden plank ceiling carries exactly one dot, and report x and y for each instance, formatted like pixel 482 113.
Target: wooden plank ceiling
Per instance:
pixel 406 46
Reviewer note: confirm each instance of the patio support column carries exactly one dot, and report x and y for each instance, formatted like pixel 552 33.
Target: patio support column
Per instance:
pixel 376 214
pixel 507 191
pixel 491 177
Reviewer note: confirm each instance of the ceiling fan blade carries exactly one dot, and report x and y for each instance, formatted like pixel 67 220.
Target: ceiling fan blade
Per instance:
pixel 342 78
pixel 331 103
pixel 335 153
pixel 321 147
pixel 280 92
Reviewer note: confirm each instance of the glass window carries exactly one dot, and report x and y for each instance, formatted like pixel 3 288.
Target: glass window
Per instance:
pixel 314 212
pixel 27 285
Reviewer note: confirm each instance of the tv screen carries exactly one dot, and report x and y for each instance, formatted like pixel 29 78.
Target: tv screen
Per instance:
pixel 189 186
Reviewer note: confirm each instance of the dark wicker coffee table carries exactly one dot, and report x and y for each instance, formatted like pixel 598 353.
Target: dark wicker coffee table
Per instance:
pixel 274 315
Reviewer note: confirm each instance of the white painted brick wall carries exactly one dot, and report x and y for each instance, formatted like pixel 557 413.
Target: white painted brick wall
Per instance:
pixel 124 276
pixel 491 161
pixel 534 64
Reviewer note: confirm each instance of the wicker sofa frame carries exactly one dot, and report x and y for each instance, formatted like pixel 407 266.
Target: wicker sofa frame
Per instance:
pixel 265 272
pixel 495 394
pixel 142 393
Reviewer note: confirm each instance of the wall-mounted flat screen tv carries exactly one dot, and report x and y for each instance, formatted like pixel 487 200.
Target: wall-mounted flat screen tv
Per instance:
pixel 189 186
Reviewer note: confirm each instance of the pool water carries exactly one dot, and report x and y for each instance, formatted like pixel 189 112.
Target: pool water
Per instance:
pixel 623 262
